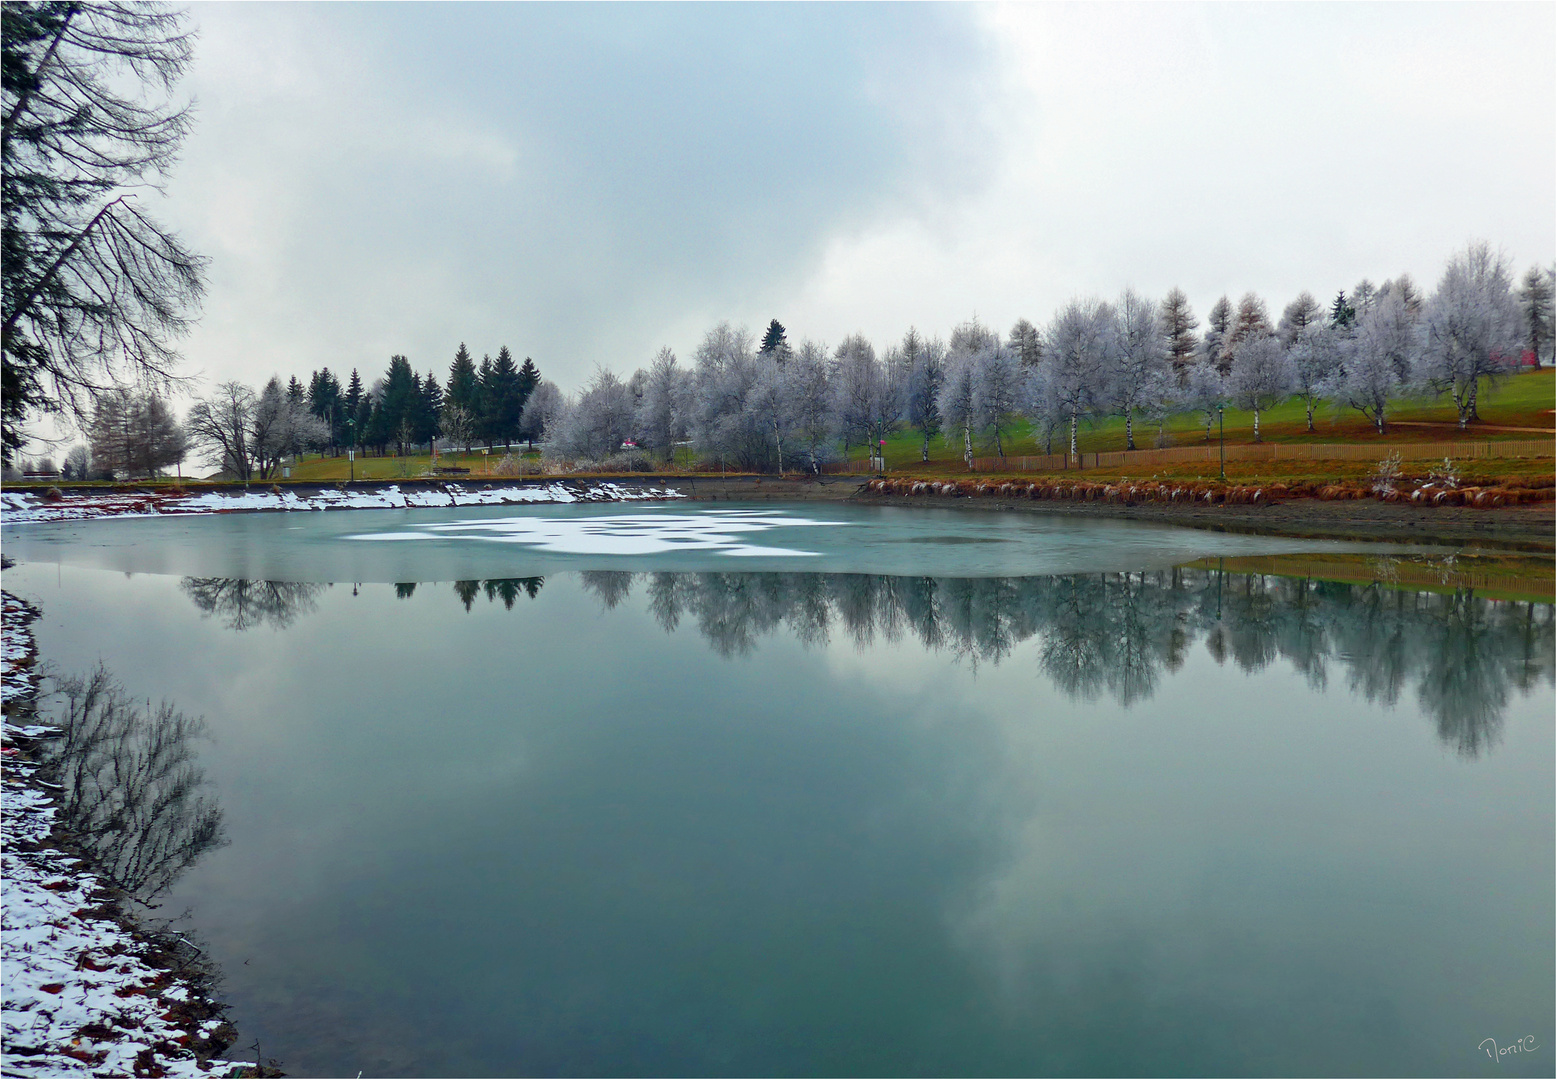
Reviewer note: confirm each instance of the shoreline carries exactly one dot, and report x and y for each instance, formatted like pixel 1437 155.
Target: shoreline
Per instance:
pixel 1528 527
pixel 89 988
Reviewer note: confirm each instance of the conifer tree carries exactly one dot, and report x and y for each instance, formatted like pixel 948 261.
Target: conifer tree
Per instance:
pixel 1341 312
pixel 504 400
pixel 461 389
pixel 773 342
pixel 481 405
pixel 1178 330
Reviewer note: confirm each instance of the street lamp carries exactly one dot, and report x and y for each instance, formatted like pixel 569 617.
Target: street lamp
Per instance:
pixel 1221 439
pixel 351 451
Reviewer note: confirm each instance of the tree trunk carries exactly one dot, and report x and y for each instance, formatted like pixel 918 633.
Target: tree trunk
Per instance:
pixel 1310 416
pixel 1474 415
pixel 1256 423
pixel 1073 433
pixel 924 448
pixel 967 443
pixel 1129 432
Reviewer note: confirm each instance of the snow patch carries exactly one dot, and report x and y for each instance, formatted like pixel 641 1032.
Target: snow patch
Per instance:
pixel 718 532
pixel 24 506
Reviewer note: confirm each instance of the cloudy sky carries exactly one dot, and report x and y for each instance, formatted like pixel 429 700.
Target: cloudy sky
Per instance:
pixel 587 183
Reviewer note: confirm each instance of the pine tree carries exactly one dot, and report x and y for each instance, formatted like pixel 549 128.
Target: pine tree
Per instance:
pixel 773 342
pixel 352 413
pixel 461 388
pixel 1251 321
pixel 1341 312
pixel 432 407
pixel 481 404
pixel 402 395
pixel 1535 303
pixel 1218 322
pixel 503 398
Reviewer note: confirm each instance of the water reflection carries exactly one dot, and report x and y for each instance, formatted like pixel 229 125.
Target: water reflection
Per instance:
pixel 1114 634
pixel 132 794
pixel 245 605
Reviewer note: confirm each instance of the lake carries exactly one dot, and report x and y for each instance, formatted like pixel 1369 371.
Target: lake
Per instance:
pixel 801 789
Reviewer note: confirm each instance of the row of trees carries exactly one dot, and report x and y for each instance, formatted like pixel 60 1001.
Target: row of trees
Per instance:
pixel 769 405
pixel 247 434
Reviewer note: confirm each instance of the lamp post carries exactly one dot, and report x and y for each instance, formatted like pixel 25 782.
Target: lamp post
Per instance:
pixel 351 451
pixel 1221 439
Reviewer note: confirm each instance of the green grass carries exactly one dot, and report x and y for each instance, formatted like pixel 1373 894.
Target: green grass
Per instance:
pixel 1521 401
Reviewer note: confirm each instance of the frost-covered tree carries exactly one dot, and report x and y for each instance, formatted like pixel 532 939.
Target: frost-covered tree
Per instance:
pixel 593 426
pixel 1042 407
pixel 997 391
pixel 1164 395
pixel 1316 363
pixel 544 403
pixel 661 418
pixel 1473 327
pixel 1205 390
pixel 457 424
pixel 1260 377
pixel 926 370
pixel 1218 322
pixel 858 382
pixel 1076 348
pixel 721 422
pixel 1135 356
pixel 1250 320
pixel 1178 330
pixel 813 432
pixel 1383 346
pixel 281 426
pixel 1297 317
pixel 956 402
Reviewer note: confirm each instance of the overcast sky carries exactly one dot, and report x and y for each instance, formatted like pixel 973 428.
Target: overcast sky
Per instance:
pixel 587 183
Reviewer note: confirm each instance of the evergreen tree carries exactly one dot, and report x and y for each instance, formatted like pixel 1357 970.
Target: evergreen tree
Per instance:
pixel 461 389
pixel 1535 302
pixel 773 342
pixel 324 401
pixel 529 379
pixel 481 405
pixel 295 391
pixel 504 401
pixel 399 404
pixel 1341 312
pixel 432 407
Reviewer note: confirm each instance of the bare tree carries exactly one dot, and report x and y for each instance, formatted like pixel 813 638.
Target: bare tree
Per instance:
pixel 997 390
pixel 543 404
pixel 1250 320
pixel 131 792
pixel 95 290
pixel 926 371
pixel 1302 313
pixel 221 424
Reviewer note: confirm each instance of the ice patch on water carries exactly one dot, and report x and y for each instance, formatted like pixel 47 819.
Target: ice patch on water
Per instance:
pixel 720 532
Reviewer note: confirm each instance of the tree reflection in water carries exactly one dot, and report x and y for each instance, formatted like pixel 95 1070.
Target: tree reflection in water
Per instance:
pixel 244 605
pixel 1115 634
pixel 131 790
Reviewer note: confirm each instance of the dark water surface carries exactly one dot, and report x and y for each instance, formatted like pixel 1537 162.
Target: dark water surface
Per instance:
pixel 816 790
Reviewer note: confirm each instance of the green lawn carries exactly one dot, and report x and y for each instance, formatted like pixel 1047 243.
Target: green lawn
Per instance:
pixel 1519 401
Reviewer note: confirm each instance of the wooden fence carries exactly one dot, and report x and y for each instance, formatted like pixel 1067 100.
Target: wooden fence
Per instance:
pixel 1178 455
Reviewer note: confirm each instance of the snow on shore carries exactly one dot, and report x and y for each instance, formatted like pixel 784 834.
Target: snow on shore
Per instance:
pixel 85 993
pixel 23 506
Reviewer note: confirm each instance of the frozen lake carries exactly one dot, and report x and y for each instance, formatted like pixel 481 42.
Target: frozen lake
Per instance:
pixel 816 789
